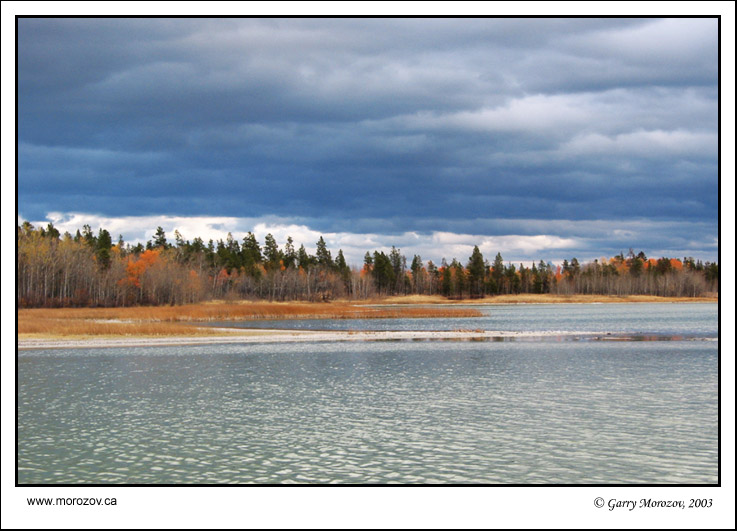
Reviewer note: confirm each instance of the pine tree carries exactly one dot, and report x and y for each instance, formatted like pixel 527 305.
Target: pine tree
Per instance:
pixel 446 282
pixel 476 272
pixel 368 261
pixel 497 273
pixel 251 255
pixel 290 256
pixel 343 270
pixel 88 237
pixel 340 261
pixel 383 273
pixel 103 245
pixel 178 240
pixel 416 269
pixel 272 253
pixel 160 239
pixel 323 254
pixel 459 280
pixel 303 259
pixel 434 277
pixel 52 231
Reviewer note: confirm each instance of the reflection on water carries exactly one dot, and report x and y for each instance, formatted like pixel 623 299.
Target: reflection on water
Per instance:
pixel 690 320
pixel 407 412
pixel 548 338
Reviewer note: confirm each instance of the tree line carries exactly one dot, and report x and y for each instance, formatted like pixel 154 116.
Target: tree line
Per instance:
pixel 88 269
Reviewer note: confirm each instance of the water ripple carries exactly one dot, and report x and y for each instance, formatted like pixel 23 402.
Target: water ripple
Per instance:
pixel 371 412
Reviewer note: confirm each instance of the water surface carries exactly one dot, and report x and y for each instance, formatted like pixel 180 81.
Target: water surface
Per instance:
pixel 360 412
pixel 692 320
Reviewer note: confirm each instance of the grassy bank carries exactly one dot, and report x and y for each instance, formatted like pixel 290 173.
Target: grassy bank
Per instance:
pixel 179 320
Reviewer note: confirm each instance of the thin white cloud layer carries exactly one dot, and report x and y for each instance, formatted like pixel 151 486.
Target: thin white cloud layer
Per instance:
pixel 620 111
pixel 433 246
pixel 645 144
pixel 660 40
pixel 531 113
pixel 575 238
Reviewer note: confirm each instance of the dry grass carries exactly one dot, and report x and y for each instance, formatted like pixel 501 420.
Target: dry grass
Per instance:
pixel 243 311
pixel 46 327
pixel 169 320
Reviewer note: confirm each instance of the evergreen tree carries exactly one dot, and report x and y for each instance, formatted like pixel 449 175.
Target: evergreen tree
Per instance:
pixel 179 241
pixel 198 245
pixel 303 259
pixel 636 267
pixel 711 272
pixel 446 282
pixel 26 229
pixel 103 245
pixel 251 254
pixel 323 254
pixel 160 239
pixel 290 256
pixel 512 279
pixel 272 253
pixel 416 269
pixel 52 232
pixel 88 237
pixel 476 273
pixel 399 265
pixel 434 276
pixel 497 273
pixel 663 265
pixel 210 253
pixel 537 281
pixel 229 254
pixel 383 273
pixel 459 280
pixel 396 260
pixel 340 262
pixel 343 269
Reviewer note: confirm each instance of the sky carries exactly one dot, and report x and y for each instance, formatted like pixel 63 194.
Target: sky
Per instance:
pixel 544 138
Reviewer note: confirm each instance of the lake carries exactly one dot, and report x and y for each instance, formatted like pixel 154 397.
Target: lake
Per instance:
pixel 552 409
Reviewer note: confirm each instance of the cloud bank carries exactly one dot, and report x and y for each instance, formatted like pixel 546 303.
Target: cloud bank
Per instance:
pixel 380 127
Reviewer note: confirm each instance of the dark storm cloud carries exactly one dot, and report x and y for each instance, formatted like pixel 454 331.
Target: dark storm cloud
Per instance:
pixel 375 125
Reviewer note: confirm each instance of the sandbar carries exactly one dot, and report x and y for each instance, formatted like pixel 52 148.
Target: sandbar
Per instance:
pixel 231 336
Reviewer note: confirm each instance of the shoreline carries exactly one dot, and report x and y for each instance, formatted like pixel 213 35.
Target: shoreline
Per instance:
pixel 288 336
pixel 547 298
pixel 262 336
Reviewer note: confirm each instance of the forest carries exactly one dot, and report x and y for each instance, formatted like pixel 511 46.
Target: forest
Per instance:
pixel 88 269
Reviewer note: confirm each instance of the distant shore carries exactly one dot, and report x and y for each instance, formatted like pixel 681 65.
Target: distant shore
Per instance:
pixel 545 298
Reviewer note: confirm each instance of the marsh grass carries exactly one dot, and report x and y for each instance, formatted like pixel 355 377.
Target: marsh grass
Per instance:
pixel 179 320
pixel 45 327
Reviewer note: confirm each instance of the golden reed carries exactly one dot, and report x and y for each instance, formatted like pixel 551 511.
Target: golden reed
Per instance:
pixel 171 320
